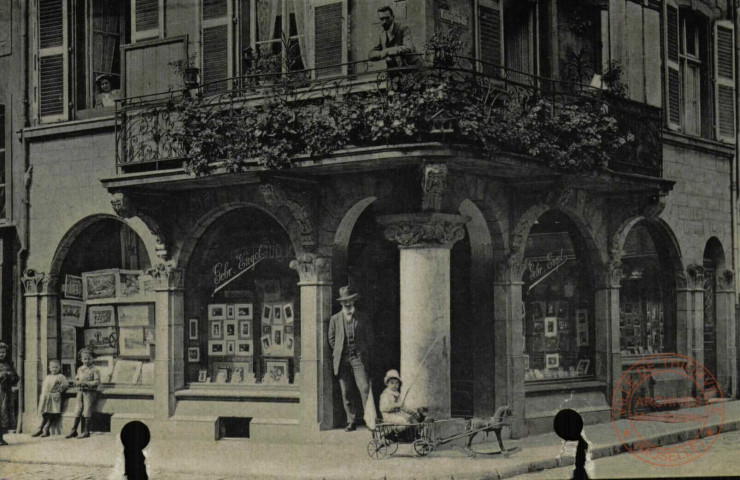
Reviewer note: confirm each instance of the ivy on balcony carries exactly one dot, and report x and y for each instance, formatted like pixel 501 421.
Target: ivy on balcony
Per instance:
pixel 273 118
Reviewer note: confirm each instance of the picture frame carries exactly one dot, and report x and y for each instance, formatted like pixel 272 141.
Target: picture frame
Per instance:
pixel 69 342
pixel 217 311
pixel 193 354
pixel 102 341
pixel 289 329
pixel 216 348
pixel 552 361
pixel 526 362
pixel 582 368
pixel 288 313
pixel 242 372
pixel 146 285
pixel 68 368
pixel 266 314
pixel 230 329
pixel 289 343
pixel 277 337
pixel 266 343
pixel 101 316
pixel 230 347
pixel 244 348
pixel 230 315
pixel 243 311
pixel 582 316
pixel 276 371
pixel 100 284
pixel 202 375
pixel 105 364
pixel 277 315
pixel 73 312
pixel 222 375
pixel 73 287
pixel 266 329
pixel 126 371
pixel 129 284
pixel 135 315
pixel 193 329
pixel 216 329
pixel 131 342
pixel 271 289
pixel 551 327
pixel 245 329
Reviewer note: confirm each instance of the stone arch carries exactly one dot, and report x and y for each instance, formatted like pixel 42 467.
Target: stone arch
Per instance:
pixel 181 256
pixel 139 227
pixel 342 237
pixel 714 252
pixel 660 231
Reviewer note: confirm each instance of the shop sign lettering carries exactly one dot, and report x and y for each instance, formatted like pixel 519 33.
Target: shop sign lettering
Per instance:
pixel 541 268
pixel 266 249
pixel 224 272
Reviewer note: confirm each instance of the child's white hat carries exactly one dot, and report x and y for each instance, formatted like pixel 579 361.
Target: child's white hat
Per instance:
pixel 392 373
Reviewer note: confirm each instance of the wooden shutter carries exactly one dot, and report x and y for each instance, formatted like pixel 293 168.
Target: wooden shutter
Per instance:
pixel 490 34
pixel 724 80
pixel 216 42
pixel 329 20
pixel 672 70
pixel 53 61
pixel 147 19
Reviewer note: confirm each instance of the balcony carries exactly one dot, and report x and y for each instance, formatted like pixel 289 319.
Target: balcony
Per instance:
pixel 277 120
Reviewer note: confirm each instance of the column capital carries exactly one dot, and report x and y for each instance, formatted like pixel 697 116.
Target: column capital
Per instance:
pixel 312 268
pixel 726 280
pixel 166 276
pixel 35 282
pixel 692 279
pixel 611 277
pixel 428 229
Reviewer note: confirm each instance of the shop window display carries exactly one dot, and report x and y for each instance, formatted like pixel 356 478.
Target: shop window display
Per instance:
pixel 243 326
pixel 642 295
pixel 106 304
pixel 558 324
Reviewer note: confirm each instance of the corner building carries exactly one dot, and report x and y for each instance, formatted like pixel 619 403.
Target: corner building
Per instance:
pixel 493 277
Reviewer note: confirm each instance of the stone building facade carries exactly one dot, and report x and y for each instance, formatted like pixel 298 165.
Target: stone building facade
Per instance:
pixel 492 278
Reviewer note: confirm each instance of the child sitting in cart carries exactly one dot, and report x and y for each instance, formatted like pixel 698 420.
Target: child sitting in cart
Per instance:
pixel 391 405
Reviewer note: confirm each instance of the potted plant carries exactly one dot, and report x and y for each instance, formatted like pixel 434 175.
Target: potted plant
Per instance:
pixel 187 70
pixel 444 47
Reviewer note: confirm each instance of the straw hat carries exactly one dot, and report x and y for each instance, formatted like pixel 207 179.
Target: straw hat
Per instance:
pixel 347 293
pixel 392 373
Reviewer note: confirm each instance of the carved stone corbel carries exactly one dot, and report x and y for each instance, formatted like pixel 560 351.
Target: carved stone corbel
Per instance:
pixel 433 186
pixel 312 268
pixel 167 276
pixel 655 206
pixel 125 208
pixel 411 229
pixel 275 197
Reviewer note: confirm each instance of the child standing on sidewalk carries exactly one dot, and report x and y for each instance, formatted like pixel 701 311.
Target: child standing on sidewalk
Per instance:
pixel 87 381
pixel 8 378
pixel 50 403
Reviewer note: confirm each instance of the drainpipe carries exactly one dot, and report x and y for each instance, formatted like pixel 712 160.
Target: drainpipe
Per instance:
pixel 734 176
pixel 25 214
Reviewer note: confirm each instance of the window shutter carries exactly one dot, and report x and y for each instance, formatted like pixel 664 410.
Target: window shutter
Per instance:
pixel 490 34
pixel 53 61
pixel 724 80
pixel 672 75
pixel 216 42
pixel 330 37
pixel 147 19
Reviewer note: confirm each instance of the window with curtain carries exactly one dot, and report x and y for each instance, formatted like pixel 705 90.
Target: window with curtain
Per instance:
pixel 280 32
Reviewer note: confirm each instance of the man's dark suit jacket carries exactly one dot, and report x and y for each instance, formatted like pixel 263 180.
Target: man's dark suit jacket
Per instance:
pixel 363 337
pixel 400 47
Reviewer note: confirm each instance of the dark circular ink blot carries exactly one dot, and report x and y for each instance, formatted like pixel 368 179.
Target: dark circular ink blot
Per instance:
pixel 568 424
pixel 135 437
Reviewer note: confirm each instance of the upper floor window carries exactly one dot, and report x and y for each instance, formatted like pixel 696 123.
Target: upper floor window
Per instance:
pixel 79 64
pixel 699 80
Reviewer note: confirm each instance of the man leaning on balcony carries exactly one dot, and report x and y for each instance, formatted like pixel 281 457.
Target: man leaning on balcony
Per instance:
pixel 396 44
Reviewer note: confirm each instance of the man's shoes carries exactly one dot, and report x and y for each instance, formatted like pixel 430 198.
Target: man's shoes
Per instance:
pixel 45 434
pixel 84 435
pixel 38 433
pixel 350 427
pixel 71 434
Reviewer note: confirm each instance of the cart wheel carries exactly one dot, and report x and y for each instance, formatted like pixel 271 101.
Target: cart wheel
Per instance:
pixel 423 447
pixel 377 449
pixel 392 447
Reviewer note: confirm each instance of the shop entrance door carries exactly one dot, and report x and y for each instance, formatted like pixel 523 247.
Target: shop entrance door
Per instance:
pixel 710 321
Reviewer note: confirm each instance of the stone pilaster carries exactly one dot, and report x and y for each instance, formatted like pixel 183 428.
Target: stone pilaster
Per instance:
pixel 726 333
pixel 35 285
pixel 608 356
pixel 425 240
pixel 690 314
pixel 316 382
pixel 169 362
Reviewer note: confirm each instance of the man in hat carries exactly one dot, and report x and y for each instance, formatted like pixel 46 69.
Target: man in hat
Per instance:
pixel 350 337
pixel 106 96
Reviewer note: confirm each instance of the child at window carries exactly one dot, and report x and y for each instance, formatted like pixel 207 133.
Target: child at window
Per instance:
pixel 8 378
pixel 87 381
pixel 50 403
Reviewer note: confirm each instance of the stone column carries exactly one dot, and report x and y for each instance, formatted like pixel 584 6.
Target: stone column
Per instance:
pixel 608 355
pixel 726 331
pixel 425 240
pixel 316 382
pixel 509 340
pixel 35 284
pixel 690 315
pixel 169 362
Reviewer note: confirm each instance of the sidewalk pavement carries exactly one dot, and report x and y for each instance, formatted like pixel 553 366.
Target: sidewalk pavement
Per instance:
pixel 343 455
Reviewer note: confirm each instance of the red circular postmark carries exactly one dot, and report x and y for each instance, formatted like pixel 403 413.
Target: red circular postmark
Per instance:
pixel 667 388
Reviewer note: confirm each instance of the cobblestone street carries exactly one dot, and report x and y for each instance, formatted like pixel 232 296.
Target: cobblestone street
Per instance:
pixel 24 471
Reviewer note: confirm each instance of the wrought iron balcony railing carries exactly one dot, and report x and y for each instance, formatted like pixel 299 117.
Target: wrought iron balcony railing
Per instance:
pixel 450 99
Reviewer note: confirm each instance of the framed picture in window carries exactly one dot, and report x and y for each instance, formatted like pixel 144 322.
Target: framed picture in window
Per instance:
pixel 102 341
pixel 245 329
pixel 277 337
pixel 551 327
pixel 132 342
pixel 99 284
pixel 73 287
pixel 202 375
pixel 243 311
pixel 266 329
pixel 68 369
pixel 217 329
pixel 193 329
pixel 277 315
pixel 266 314
pixel 244 348
pixel 129 284
pixel 289 344
pixel 582 368
pixel 288 313
pixel 136 315
pixel 73 313
pixel 552 361
pixel 230 347
pixel 230 329
pixel 266 344
pixel 230 312
pixel 101 316
pixel 216 348
pixel 276 371
pixel 217 312
pixel 242 372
